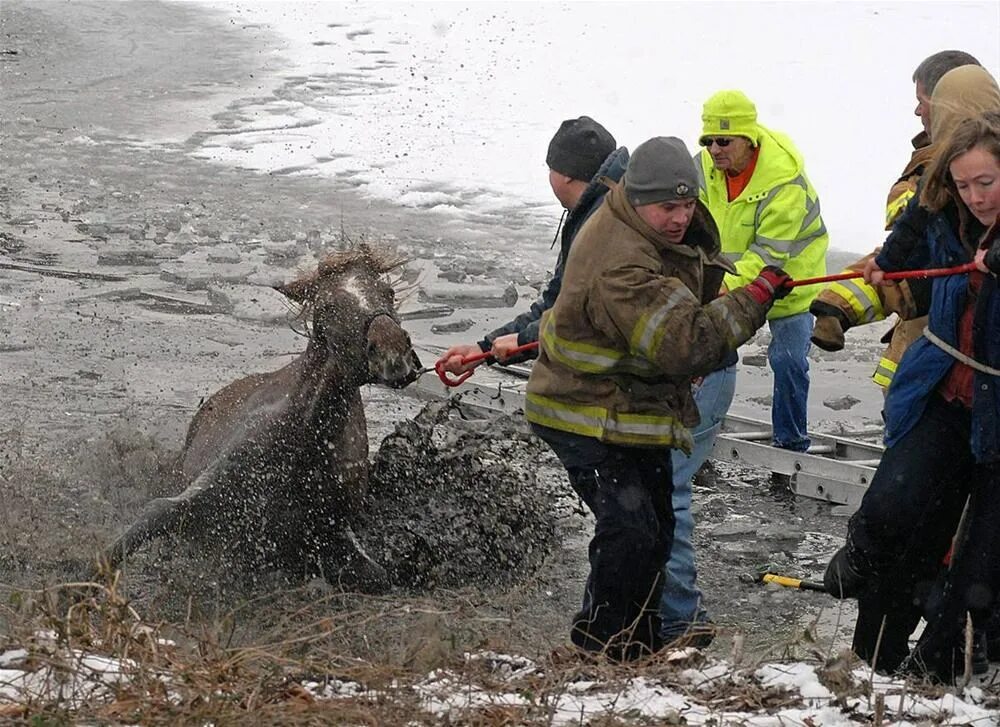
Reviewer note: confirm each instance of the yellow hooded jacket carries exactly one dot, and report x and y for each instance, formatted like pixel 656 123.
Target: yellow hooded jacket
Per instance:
pixel 774 221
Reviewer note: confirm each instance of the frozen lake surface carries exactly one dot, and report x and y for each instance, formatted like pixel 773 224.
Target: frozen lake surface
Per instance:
pixel 449 107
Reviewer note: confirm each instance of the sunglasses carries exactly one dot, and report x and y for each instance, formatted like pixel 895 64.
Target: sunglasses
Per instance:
pixel 722 141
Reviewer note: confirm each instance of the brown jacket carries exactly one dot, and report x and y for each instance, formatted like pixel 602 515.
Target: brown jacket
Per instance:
pixel 858 302
pixel 637 317
pixel 906 186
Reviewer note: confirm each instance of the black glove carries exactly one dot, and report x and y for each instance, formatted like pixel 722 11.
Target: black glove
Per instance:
pixel 770 285
pixel 992 258
pixel 842 579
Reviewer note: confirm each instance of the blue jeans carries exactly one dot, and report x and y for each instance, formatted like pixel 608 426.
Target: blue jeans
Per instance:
pixel 681 601
pixel 788 355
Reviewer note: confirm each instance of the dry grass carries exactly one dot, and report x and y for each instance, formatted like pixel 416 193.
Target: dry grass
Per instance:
pixel 250 664
pixel 296 658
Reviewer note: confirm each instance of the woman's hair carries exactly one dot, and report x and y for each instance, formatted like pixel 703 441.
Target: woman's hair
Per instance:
pixel 982 130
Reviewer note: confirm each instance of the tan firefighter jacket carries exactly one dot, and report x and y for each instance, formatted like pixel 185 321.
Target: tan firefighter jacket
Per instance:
pixel 636 319
pixel 862 303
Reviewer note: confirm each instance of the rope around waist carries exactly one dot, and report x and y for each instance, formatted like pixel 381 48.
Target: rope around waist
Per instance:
pixel 956 354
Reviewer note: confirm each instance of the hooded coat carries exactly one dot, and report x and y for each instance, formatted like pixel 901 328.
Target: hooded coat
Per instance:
pixel 774 221
pixel 637 318
pixel 526 324
pixel 962 92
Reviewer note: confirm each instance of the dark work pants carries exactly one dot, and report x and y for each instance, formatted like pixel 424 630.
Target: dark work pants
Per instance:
pixel 972 584
pixel 904 527
pixel 628 490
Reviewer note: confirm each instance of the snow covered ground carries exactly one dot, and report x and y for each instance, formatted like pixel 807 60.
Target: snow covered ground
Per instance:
pixel 694 692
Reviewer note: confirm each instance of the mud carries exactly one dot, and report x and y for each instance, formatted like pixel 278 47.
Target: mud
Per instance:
pixel 456 502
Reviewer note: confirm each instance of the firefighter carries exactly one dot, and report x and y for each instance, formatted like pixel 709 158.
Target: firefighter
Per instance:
pixel 637 318
pixel 847 303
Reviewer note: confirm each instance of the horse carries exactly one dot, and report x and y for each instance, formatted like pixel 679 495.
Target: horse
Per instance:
pixel 277 463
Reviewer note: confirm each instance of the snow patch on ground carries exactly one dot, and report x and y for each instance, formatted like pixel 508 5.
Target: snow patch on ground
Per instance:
pixel 792 693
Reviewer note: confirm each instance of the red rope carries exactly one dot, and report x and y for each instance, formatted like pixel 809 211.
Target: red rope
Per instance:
pixel 899 275
pixel 479 358
pixel 475 359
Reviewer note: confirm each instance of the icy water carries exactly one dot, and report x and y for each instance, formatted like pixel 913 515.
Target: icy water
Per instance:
pixel 448 107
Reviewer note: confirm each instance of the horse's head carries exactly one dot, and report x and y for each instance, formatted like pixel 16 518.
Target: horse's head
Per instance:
pixel 353 316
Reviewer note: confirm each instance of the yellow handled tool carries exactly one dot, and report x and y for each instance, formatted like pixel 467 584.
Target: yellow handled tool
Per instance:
pixel 791 582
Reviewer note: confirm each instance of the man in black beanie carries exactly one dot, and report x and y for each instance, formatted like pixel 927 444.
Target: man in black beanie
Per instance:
pixel 579 155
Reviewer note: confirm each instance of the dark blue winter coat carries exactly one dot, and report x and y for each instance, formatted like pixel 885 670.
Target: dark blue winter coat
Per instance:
pixel 925 365
pixel 526 324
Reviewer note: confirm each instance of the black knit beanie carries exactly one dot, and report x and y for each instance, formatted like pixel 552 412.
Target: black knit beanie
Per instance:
pixel 579 148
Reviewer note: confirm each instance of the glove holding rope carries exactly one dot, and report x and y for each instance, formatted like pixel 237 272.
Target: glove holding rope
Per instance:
pixel 988 255
pixel 770 285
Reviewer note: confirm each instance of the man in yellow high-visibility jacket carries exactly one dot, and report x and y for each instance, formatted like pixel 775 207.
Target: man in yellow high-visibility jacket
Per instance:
pixel 754 183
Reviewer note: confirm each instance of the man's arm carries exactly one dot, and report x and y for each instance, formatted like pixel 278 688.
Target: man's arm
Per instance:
pixel 905 247
pixel 526 324
pixel 661 321
pixel 520 331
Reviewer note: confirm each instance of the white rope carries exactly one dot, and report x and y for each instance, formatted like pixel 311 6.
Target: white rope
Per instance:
pixel 955 353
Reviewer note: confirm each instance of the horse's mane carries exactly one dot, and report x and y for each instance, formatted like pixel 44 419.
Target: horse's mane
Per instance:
pixel 379 260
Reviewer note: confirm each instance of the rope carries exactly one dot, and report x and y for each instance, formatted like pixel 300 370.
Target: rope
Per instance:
pixel 897 275
pixel 955 353
pixel 475 359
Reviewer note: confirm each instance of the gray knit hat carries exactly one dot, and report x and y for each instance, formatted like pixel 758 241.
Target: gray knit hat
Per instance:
pixel 660 170
pixel 579 148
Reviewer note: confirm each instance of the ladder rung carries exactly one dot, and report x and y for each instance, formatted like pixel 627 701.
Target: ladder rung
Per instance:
pixel 748 436
pixel 822 449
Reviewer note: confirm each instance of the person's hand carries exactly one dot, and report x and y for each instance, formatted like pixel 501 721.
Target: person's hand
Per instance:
pixel 451 360
pixel 873 274
pixel 980 260
pixel 503 345
pixel 769 285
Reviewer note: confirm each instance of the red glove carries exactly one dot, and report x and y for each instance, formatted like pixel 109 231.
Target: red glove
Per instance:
pixel 769 285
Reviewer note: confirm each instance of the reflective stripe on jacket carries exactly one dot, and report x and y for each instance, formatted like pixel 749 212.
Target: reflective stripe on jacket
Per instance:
pixel 862 303
pixel 906 186
pixel 904 333
pixel 775 220
pixel 637 317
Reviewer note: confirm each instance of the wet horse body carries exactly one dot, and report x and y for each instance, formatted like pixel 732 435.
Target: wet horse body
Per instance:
pixel 278 462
